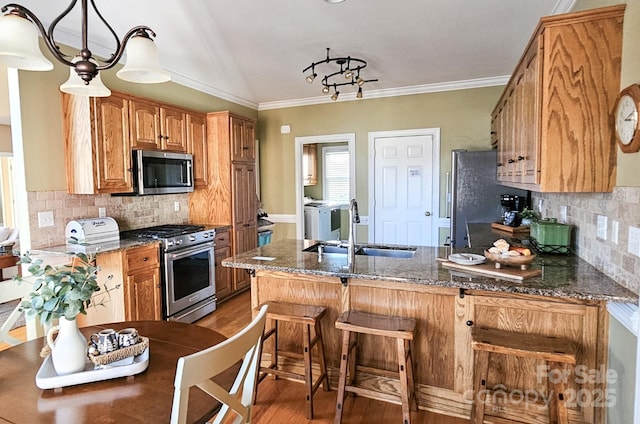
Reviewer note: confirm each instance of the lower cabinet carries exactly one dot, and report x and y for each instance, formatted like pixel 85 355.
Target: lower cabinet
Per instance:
pixel 132 277
pixel 142 288
pixel 224 275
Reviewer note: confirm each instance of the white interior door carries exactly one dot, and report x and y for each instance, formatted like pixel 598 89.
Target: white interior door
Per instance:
pixel 405 191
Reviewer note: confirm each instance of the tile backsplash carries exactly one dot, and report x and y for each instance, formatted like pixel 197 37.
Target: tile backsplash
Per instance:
pixel 621 208
pixel 130 212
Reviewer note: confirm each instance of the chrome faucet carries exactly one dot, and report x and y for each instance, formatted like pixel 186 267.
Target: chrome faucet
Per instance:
pixel 354 218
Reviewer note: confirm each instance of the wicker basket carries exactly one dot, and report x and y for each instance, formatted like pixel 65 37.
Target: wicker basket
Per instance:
pixel 119 354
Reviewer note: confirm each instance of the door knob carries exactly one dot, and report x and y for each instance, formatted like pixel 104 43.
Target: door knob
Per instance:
pixel 427 213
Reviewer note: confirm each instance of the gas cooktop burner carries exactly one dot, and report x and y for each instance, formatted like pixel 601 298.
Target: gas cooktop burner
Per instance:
pixel 163 231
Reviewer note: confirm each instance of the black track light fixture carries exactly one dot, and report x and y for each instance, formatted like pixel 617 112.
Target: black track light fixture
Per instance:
pixel 347 67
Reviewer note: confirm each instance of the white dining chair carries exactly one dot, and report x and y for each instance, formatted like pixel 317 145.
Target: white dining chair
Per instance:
pixel 199 368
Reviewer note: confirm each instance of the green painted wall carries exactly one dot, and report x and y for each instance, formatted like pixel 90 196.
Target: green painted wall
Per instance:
pixel 462 116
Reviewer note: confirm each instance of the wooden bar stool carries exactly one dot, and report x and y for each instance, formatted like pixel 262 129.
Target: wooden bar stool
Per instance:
pixel 309 316
pixel 402 329
pixel 558 353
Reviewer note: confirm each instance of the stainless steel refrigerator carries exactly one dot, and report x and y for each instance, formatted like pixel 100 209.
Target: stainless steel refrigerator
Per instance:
pixel 474 192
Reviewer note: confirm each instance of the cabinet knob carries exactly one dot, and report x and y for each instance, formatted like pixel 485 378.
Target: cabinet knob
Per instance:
pixel 520 157
pixel 469 323
pixel 499 164
pixel 159 136
pixel 511 161
pixel 427 213
pixel 145 259
pixel 166 137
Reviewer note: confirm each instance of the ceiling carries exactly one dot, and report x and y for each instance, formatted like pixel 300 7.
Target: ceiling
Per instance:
pixel 252 52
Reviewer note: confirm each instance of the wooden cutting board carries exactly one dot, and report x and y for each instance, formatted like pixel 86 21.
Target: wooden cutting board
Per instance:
pixel 508 229
pixel 489 269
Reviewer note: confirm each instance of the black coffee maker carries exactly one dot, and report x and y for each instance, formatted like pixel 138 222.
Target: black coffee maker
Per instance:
pixel 510 205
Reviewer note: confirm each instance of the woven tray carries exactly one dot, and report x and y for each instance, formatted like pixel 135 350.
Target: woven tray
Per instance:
pixel 120 354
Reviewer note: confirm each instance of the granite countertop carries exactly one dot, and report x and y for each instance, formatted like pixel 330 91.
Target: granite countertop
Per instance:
pixel 96 248
pixel 562 276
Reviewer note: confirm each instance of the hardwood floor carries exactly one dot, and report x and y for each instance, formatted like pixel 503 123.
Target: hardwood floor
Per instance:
pixel 282 401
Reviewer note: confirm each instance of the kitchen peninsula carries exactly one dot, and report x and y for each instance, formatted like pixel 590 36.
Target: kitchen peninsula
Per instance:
pixel 567 300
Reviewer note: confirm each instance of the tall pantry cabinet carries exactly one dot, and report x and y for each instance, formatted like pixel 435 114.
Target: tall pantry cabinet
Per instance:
pixel 229 197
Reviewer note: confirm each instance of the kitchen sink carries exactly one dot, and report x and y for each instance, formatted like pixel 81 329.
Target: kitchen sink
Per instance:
pixel 365 250
pixel 326 248
pixel 390 252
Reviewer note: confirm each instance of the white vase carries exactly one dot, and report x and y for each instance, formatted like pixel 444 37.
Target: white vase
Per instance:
pixel 69 351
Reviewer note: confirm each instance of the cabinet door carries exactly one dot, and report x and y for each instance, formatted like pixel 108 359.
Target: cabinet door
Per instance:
pixel 112 145
pixel 197 143
pixel 224 277
pixel 509 134
pixel 249 140
pixel 577 323
pixel 244 216
pixel 242 139
pixel 309 164
pixel 174 132
pixel 246 238
pixel 145 125
pixel 531 115
pixel 143 295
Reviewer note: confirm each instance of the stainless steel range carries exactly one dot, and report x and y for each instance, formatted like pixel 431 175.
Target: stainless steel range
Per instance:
pixel 188 275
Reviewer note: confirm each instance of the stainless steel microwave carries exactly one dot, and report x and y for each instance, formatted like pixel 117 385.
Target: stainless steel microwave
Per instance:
pixel 156 172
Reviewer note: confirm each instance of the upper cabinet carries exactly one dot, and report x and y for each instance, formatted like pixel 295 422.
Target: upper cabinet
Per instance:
pixel 553 125
pixel 100 133
pixel 97 146
pixel 197 146
pixel 309 164
pixel 243 139
pixel 156 127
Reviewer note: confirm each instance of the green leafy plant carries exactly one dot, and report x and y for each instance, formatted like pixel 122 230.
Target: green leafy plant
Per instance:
pixel 62 291
pixel 528 214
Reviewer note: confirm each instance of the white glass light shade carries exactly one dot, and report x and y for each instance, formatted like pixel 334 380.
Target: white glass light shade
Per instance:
pixel 19 46
pixel 76 85
pixel 142 64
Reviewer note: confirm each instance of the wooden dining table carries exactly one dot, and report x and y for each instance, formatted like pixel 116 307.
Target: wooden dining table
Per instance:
pixel 142 398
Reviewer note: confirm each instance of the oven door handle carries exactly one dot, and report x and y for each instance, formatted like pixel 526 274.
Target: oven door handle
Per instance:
pixel 189 251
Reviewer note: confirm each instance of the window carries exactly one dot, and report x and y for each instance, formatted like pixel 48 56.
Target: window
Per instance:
pixel 335 175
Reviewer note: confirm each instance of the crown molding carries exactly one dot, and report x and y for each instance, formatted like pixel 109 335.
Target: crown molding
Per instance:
pixel 391 92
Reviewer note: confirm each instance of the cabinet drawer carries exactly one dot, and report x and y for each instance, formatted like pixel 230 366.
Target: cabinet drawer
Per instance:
pixel 142 258
pixel 222 239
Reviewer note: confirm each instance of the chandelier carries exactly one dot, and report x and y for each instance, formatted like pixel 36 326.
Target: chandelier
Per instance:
pixel 350 68
pixel 19 48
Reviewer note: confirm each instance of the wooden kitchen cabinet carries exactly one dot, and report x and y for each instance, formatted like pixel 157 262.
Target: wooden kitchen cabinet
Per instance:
pixel 157 127
pixel 133 277
pixel 310 164
pixel 243 139
pixel 197 145
pixel 99 133
pixel 97 144
pixel 142 287
pixel 553 123
pixel 145 125
pixel 229 197
pixel 224 276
